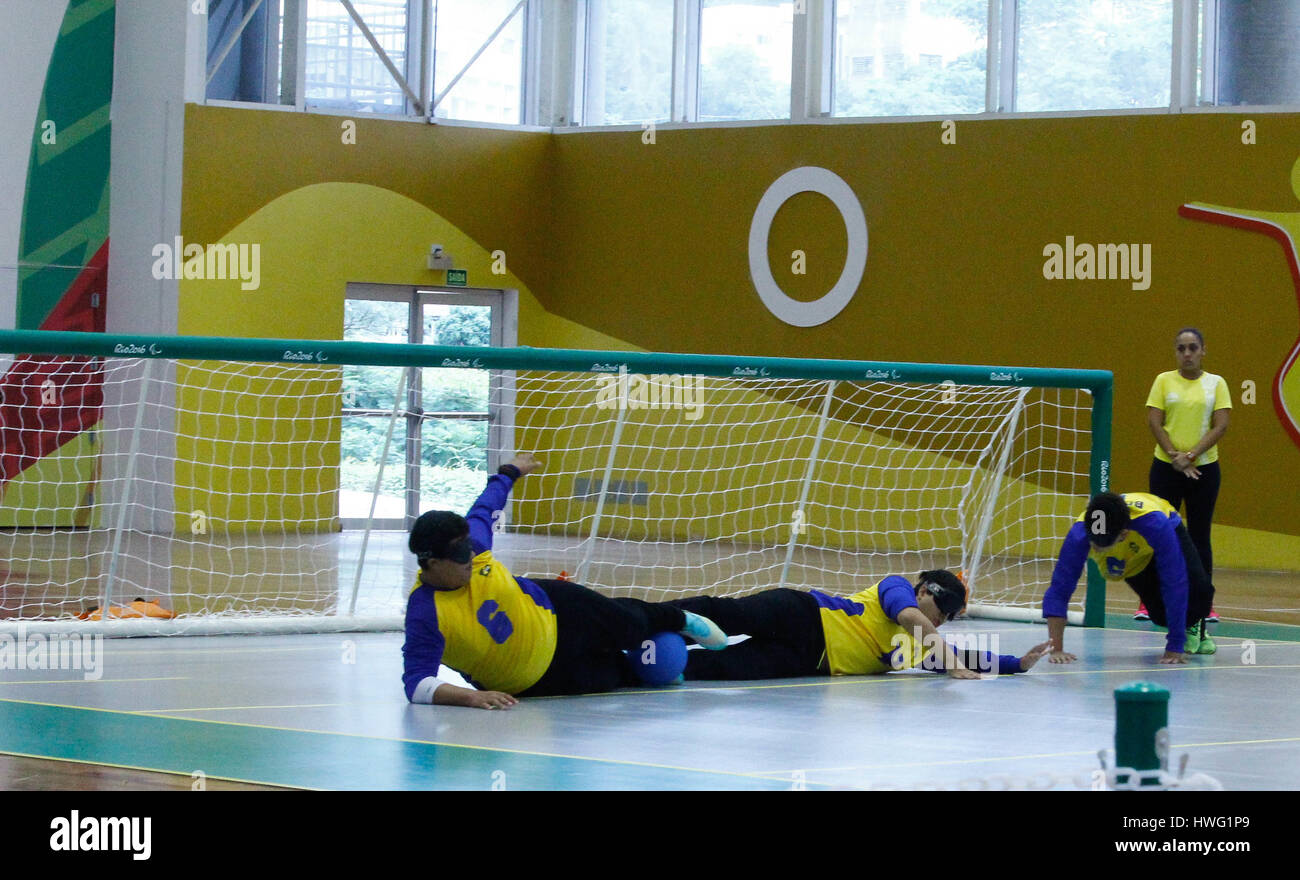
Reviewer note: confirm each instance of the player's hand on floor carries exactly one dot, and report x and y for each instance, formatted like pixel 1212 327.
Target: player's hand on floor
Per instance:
pixel 962 673
pixel 1033 655
pixel 1061 657
pixel 1173 657
pixel 491 700
pixel 527 463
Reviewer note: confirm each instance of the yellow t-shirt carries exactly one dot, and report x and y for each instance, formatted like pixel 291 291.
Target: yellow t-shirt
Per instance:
pixel 1189 405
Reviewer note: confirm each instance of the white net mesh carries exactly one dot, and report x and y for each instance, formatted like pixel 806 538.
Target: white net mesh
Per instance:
pixel 213 487
pixel 210 488
pixel 671 485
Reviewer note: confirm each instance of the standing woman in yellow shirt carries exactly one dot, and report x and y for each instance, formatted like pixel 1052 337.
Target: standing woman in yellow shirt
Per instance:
pixel 1187 411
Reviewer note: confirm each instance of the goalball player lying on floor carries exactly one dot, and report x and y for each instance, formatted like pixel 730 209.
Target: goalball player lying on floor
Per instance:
pixel 892 625
pixel 1125 535
pixel 515 636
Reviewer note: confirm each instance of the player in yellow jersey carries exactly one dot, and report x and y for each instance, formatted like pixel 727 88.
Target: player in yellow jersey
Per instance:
pixel 1187 412
pixel 891 625
pixel 516 636
pixel 1140 539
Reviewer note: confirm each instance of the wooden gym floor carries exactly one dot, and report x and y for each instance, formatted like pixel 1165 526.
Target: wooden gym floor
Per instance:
pixel 328 712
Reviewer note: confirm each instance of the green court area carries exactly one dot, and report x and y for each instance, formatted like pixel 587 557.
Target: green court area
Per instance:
pixel 320 760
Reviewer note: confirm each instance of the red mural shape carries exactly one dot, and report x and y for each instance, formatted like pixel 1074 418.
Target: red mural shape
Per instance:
pixel 48 400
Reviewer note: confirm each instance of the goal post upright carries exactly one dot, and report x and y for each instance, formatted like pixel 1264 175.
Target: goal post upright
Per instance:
pixel 603 493
pixel 806 482
pixel 1094 612
pixel 124 502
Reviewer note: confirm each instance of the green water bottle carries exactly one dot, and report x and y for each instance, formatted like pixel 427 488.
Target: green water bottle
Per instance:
pixel 1141 728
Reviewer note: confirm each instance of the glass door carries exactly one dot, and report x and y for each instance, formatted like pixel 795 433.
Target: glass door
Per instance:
pixel 439 455
pixel 449 461
pixel 369 394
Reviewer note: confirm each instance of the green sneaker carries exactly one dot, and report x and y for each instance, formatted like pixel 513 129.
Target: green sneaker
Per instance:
pixel 1207 645
pixel 1193 645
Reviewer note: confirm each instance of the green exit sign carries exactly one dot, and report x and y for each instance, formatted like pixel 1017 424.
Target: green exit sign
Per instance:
pixel 457 277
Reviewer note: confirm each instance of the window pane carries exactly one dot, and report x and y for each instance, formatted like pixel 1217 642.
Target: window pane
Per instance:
pixel 895 58
pixel 362 445
pixel 343 71
pixel 1258 57
pixel 1093 54
pixel 243 75
pixel 368 387
pixel 452 390
pixel 372 390
pixel 745 59
pixel 453 451
pixel 453 463
pixel 491 90
pixel 629 61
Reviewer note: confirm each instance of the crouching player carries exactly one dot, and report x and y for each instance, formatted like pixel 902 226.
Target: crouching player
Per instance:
pixel 891 625
pixel 1140 539
pixel 515 636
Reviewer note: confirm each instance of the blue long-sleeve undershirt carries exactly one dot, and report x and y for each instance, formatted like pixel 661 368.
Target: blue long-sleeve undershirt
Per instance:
pixel 491 502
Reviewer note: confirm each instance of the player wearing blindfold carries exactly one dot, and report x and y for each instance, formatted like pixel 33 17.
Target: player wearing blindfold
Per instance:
pixel 514 636
pixel 891 625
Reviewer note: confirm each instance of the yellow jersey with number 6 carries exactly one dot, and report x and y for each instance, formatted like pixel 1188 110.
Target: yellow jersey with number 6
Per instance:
pixel 497 631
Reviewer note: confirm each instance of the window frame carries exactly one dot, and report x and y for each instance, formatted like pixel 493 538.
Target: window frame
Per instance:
pixel 556 45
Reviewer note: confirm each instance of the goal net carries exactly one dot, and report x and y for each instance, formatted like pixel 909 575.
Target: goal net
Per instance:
pixel 203 475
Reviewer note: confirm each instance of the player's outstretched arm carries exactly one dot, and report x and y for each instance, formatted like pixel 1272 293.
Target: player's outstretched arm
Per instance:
pixel 451 695
pixel 1159 532
pixel 1056 638
pixel 1034 654
pixel 927 635
pixel 492 500
pixel 1065 577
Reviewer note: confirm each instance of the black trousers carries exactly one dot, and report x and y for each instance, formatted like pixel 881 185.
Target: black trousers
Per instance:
pixel 786 639
pixel 1169 483
pixel 592 632
pixel 1200 591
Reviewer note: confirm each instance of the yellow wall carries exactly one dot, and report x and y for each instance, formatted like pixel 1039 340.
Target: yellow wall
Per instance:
pixel 737 471
pixel 313 241
pixel 57 489
pixel 624 244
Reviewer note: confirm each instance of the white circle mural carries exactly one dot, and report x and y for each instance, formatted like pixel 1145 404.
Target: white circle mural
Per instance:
pixel 832 186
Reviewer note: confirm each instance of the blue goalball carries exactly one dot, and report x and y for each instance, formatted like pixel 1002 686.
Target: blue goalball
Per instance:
pixel 660 659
